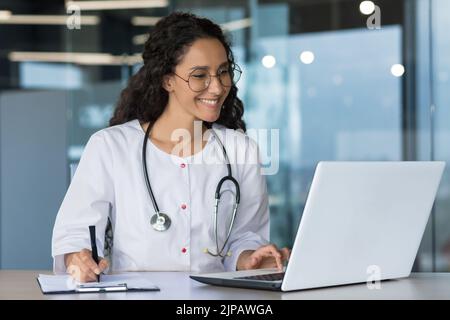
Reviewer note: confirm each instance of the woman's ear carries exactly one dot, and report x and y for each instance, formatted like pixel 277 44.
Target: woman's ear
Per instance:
pixel 168 83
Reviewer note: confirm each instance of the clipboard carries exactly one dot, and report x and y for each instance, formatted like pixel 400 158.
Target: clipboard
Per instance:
pixel 86 288
pixel 64 284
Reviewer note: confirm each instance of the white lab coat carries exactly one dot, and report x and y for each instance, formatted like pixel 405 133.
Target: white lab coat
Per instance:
pixel 109 180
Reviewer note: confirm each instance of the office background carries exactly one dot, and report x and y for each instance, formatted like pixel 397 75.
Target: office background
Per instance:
pixel 340 81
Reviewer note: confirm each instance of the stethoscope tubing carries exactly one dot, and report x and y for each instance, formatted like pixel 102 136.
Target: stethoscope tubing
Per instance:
pixel 162 221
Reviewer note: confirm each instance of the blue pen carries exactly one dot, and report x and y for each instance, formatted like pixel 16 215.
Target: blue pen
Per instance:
pixel 94 247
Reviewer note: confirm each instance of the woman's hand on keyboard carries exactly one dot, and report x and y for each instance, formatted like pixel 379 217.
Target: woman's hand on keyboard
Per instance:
pixel 268 256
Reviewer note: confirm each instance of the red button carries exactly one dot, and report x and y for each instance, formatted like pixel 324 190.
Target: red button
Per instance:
pixel 182 165
pixel 184 250
pixel 183 206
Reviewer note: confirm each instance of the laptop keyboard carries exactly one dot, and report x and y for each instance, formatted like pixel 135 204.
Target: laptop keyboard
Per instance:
pixel 265 277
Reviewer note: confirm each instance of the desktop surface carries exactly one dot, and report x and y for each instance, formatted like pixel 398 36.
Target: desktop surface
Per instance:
pixel 22 284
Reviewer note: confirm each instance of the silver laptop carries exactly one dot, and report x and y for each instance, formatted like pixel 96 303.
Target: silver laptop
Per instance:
pixel 362 221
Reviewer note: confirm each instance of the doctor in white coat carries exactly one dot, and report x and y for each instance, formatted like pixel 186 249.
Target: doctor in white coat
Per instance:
pixel 186 95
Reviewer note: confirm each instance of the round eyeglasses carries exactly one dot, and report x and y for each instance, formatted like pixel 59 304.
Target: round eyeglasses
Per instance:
pixel 200 79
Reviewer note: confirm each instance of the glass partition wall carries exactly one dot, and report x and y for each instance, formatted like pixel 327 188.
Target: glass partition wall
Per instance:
pixel 333 79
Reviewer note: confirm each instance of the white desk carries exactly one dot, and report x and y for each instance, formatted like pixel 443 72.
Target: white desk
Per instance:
pixel 16 284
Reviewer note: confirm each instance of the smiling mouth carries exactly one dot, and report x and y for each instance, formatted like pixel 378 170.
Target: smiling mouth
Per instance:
pixel 212 103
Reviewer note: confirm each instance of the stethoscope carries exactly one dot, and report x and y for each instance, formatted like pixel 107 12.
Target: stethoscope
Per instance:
pixel 161 221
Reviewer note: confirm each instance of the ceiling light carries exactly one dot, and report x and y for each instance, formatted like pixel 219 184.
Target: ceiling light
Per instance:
pixel 140 39
pixel 4 14
pixel 307 57
pixel 367 7
pixel 397 70
pixel 81 58
pixel 144 21
pixel 117 4
pixel 268 61
pixel 236 24
pixel 46 19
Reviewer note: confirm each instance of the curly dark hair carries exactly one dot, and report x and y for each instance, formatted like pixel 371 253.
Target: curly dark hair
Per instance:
pixel 144 98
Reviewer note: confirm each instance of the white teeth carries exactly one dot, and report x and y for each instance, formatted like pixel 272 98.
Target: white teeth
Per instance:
pixel 212 102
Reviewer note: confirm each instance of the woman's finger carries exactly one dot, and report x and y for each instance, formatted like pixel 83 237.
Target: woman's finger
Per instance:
pixel 286 253
pixel 74 271
pixel 271 251
pixel 86 271
pixel 81 273
pixel 279 262
pixel 255 260
pixel 103 264
pixel 86 258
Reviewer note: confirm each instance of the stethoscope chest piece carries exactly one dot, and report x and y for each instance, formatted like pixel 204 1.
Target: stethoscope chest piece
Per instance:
pixel 160 221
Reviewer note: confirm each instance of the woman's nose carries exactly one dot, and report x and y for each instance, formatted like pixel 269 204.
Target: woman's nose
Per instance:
pixel 215 86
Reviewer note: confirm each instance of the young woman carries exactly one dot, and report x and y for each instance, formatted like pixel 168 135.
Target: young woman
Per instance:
pixel 174 146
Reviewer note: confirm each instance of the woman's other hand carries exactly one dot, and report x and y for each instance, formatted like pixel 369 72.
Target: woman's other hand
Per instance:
pixel 268 256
